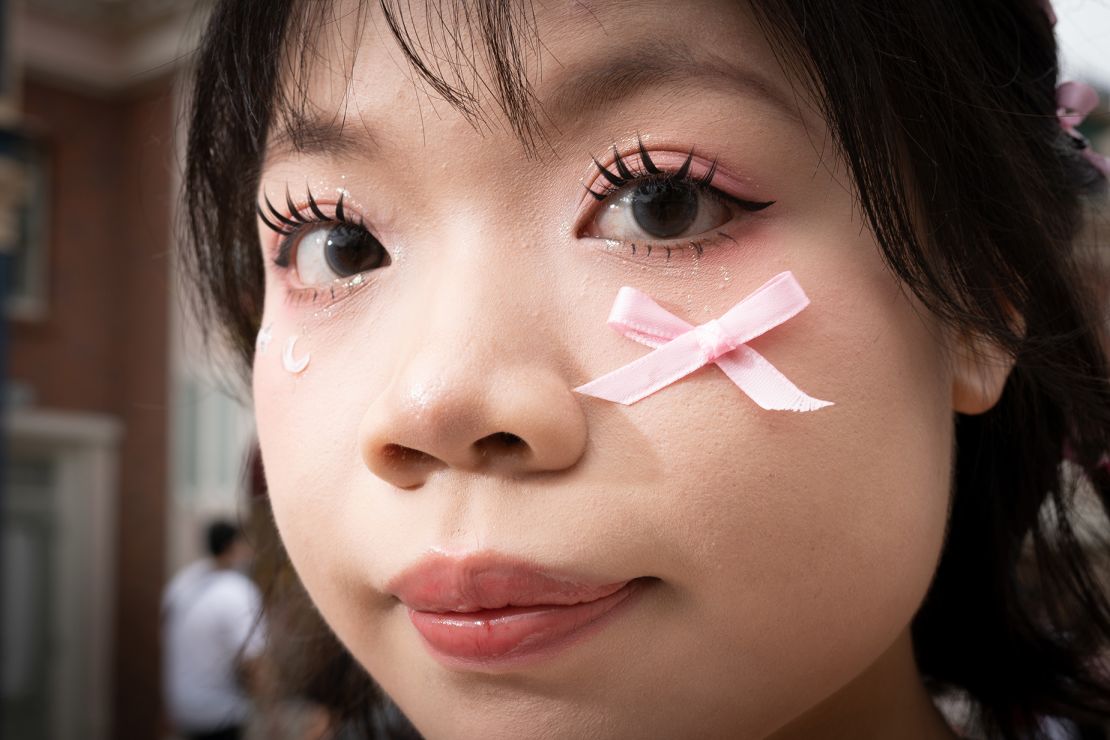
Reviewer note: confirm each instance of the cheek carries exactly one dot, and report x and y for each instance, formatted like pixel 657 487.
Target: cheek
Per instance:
pixel 286 436
pixel 815 536
pixel 303 424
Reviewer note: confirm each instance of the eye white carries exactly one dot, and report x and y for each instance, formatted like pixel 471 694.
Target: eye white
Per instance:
pixel 616 220
pixel 312 265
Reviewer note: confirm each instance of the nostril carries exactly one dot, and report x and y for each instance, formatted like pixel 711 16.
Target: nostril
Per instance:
pixel 501 443
pixel 507 439
pixel 401 455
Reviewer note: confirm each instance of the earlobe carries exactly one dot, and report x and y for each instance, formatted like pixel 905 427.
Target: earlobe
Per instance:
pixel 980 367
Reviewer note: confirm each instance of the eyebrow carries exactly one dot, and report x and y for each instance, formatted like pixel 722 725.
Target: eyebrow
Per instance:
pixel 317 136
pixel 665 63
pixel 591 88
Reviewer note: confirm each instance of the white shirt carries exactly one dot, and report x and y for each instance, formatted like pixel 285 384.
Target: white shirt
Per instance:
pixel 209 615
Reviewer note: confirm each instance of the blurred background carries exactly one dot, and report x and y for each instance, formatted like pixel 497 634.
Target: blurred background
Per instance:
pixel 121 441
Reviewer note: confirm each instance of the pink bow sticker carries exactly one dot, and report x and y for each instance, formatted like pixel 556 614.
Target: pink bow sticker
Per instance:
pixel 681 348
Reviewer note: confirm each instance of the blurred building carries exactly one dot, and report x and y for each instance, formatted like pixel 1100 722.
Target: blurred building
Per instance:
pixel 119 442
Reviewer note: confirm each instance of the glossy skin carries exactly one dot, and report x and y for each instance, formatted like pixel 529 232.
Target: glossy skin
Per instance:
pixel 790 551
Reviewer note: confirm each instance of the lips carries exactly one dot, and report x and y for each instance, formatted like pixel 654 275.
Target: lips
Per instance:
pixel 489 611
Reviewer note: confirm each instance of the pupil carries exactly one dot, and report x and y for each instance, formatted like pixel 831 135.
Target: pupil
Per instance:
pixel 664 209
pixel 351 250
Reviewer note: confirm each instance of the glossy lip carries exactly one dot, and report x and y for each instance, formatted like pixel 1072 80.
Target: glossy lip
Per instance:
pixel 488 612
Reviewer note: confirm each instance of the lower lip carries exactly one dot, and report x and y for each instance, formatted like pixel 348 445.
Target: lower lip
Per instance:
pixel 513 636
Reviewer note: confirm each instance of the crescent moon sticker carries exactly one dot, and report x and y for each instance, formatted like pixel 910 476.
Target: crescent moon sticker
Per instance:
pixel 295 366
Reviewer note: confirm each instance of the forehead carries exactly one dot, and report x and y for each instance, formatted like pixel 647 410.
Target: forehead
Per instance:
pixel 533 70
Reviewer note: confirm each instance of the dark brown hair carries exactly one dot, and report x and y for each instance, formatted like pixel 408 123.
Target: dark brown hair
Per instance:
pixel 944 111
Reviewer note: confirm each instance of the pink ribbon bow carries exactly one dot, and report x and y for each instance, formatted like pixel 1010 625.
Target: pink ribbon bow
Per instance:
pixel 682 348
pixel 1074 101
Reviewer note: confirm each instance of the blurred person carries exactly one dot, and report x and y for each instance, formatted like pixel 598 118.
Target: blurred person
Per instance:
pixel 212 638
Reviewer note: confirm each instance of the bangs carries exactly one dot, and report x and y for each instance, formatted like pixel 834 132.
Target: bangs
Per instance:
pixel 475 55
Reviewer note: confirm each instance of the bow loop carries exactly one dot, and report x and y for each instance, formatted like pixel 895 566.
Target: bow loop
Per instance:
pixel 775 302
pixel 638 317
pixel 1074 101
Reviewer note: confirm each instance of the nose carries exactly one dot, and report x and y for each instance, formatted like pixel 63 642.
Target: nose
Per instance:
pixel 476 396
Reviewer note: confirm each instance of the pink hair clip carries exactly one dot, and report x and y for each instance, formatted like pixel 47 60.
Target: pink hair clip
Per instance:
pixel 682 348
pixel 1074 101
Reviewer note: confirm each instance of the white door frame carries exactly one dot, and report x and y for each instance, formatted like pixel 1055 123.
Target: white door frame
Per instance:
pixel 84 448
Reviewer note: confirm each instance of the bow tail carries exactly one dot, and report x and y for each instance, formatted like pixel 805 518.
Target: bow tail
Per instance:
pixel 764 384
pixel 650 373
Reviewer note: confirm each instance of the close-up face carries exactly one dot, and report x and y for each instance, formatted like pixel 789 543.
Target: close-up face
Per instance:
pixel 509 557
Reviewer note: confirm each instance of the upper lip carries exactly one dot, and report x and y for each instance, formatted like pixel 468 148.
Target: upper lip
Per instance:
pixel 482 581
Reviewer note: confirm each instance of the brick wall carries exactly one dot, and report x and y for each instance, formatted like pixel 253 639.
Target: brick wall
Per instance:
pixel 104 347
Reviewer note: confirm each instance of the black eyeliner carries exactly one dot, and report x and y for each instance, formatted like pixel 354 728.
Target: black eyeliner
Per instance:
pixel 284 250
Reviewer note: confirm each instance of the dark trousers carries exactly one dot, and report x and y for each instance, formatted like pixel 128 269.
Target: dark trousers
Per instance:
pixel 228 733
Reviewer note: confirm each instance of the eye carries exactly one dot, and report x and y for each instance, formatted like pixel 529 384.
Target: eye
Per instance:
pixel 336 251
pixel 659 209
pixel 642 203
pixel 322 248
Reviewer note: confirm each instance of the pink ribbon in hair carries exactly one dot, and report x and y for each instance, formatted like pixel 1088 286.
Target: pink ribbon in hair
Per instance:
pixel 681 348
pixel 1074 101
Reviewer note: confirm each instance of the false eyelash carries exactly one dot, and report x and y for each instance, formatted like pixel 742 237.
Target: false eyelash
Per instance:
pixel 625 176
pixel 698 245
pixel 296 219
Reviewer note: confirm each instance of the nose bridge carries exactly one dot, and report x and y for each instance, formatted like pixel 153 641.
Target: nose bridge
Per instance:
pixel 467 324
pixel 475 383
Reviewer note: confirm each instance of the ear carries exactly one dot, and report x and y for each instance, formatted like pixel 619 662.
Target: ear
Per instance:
pixel 980 368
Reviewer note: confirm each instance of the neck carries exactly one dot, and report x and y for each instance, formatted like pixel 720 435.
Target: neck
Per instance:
pixel 886 700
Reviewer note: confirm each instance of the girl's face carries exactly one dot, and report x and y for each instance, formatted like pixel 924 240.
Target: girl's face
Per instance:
pixel 433 455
